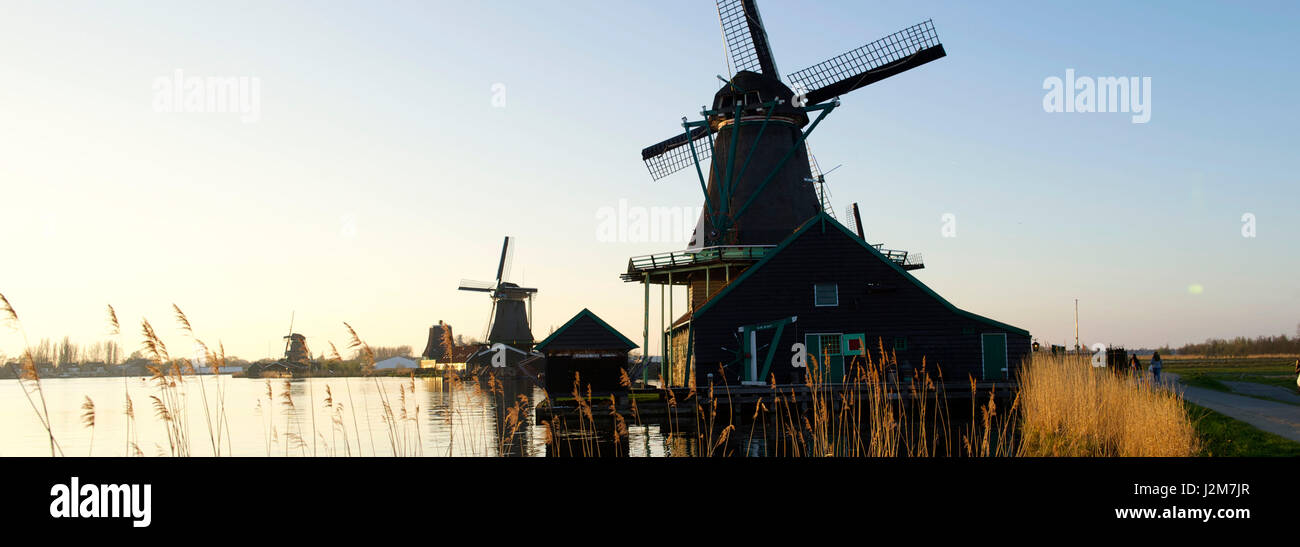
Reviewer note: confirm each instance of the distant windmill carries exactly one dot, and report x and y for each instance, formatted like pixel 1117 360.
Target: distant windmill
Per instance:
pixel 755 189
pixel 818 178
pixel 512 305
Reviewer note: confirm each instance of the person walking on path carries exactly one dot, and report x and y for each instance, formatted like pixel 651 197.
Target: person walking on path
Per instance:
pixel 1134 366
pixel 1155 367
pixel 1297 375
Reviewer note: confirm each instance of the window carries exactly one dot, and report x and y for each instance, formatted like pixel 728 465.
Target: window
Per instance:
pixel 826 294
pixel 900 343
pixel 830 346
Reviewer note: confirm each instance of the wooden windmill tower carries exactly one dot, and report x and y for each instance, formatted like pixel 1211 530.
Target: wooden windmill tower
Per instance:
pixel 759 186
pixel 755 189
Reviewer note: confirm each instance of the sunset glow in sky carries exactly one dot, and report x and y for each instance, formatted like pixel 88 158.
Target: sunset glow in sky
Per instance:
pixel 394 148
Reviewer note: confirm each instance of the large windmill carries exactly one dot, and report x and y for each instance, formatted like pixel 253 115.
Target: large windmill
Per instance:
pixel 757 190
pixel 759 186
pixel 511 313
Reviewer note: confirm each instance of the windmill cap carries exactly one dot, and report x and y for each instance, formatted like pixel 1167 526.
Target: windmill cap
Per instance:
pixel 754 88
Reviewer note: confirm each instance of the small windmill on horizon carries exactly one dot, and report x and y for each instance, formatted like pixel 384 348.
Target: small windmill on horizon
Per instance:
pixel 510 318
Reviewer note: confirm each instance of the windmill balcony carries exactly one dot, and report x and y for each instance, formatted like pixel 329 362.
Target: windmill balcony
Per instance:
pixel 904 259
pixel 638 266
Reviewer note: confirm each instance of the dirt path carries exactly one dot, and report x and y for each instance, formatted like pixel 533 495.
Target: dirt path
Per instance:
pixel 1263 390
pixel 1277 418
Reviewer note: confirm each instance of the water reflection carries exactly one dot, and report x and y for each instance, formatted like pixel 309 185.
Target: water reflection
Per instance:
pixel 324 417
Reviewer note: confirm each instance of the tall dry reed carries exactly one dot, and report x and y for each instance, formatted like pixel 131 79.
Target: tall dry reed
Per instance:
pixel 1073 409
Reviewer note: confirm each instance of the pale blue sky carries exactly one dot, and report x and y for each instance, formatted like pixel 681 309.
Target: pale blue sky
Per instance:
pixel 380 173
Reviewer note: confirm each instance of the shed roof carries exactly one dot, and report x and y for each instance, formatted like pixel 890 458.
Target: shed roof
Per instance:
pixel 585 331
pixel 396 362
pixel 823 219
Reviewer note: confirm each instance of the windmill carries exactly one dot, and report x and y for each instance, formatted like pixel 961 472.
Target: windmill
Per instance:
pixel 819 178
pixel 512 305
pixel 757 190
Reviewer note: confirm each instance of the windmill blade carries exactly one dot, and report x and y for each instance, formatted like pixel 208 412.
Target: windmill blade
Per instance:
pixel 477 286
pixel 672 155
pixel 888 56
pixel 505 259
pixel 746 38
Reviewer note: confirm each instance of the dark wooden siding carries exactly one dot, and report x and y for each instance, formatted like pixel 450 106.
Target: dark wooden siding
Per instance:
pixel 602 374
pixel 874 299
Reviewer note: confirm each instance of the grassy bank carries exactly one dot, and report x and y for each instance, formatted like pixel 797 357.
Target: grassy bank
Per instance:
pixel 1221 436
pixel 1209 372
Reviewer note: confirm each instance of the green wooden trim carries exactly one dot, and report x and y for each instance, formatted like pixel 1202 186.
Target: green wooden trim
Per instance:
pixel 771 109
pixel 690 355
pixel 584 313
pixel 823 218
pixel 798 143
pixel 771 350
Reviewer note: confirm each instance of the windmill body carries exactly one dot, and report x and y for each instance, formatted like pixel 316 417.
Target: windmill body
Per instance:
pixel 510 324
pixel 761 142
pixel 758 186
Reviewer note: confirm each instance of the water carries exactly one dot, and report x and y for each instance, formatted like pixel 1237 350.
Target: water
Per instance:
pixel 453 419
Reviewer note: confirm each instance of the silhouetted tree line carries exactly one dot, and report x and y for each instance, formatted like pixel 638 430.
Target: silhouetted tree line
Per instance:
pixel 1242 346
pixel 67 352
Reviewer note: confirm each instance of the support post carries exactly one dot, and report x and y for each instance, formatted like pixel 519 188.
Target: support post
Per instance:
pixel 645 335
pixel 669 350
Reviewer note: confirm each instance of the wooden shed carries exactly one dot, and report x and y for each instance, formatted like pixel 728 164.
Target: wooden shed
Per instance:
pixel 587 346
pixel 825 288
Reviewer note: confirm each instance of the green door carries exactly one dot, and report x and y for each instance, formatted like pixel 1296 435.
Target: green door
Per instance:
pixel 827 349
pixel 995 355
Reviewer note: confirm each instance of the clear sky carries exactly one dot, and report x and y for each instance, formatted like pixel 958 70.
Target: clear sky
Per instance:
pixel 380 172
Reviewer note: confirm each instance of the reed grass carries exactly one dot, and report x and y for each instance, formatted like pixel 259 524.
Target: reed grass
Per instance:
pixel 28 375
pixel 1073 409
pixel 1063 407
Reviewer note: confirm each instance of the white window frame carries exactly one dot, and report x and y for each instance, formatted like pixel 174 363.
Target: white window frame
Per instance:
pixel 837 295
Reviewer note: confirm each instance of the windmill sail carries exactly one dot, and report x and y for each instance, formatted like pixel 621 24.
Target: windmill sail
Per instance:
pixel 503 268
pixel 746 38
pixel 672 155
pixel 477 286
pixel 888 56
